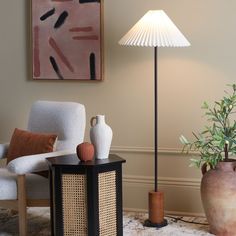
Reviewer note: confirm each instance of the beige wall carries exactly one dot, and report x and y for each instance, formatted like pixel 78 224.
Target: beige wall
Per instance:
pixel 187 77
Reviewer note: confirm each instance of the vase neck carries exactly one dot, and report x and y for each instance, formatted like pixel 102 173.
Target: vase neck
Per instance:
pixel 100 119
pixel 226 166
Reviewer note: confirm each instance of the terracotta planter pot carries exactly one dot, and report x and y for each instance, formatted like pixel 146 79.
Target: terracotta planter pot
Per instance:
pixel 218 192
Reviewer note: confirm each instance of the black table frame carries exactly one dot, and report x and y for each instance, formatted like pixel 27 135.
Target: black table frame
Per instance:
pixel 69 164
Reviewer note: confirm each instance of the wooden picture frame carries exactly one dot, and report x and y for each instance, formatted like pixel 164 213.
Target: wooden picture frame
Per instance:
pixel 67 40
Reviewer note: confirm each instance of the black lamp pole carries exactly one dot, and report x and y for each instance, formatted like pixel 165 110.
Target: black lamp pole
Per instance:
pixel 155 111
pixel 156 198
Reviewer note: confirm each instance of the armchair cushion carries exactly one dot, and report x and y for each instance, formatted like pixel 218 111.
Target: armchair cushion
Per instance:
pixel 25 143
pixel 34 163
pixel 26 165
pixel 36 186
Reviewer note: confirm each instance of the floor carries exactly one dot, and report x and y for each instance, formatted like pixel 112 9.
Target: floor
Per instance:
pixel 39 224
pixel 177 226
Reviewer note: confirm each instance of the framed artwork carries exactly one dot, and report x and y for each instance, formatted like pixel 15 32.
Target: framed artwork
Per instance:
pixel 67 39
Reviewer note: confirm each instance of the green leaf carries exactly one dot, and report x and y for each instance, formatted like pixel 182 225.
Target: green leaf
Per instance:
pixel 183 140
pixel 205 105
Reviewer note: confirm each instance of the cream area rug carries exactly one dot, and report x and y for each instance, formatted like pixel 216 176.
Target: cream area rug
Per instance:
pixel 39 224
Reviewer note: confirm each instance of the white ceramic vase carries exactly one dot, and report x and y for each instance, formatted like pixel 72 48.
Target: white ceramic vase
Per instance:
pixel 101 137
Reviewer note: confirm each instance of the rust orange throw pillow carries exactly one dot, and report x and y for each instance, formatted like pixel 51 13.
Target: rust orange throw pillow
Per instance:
pixel 24 143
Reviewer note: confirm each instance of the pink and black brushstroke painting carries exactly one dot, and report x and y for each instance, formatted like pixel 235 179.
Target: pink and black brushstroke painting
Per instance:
pixel 66 39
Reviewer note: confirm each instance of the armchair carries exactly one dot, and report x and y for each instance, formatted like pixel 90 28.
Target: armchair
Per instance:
pixel 19 188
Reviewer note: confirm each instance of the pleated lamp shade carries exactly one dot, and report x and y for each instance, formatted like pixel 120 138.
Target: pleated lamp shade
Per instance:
pixel 155 29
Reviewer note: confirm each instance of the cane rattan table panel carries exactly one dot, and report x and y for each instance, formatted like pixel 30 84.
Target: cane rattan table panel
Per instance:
pixel 74 204
pixel 107 203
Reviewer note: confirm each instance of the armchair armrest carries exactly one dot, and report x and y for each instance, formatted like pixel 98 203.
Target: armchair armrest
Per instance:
pixel 33 163
pixel 3 150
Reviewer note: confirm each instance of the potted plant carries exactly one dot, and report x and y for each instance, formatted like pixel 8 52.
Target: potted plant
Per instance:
pixel 215 143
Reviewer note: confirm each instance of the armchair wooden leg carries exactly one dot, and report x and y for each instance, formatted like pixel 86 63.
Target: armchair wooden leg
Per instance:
pixel 22 205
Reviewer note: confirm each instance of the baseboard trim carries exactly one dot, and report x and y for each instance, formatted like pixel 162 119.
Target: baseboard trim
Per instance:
pixel 177 213
pixel 165 181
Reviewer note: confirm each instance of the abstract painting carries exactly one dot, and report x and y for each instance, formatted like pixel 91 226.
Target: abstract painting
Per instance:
pixel 66 39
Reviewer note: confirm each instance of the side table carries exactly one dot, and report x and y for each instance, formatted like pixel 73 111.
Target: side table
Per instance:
pixel 86 197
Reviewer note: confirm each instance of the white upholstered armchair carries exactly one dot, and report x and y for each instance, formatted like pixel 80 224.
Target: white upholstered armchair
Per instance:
pixel 19 188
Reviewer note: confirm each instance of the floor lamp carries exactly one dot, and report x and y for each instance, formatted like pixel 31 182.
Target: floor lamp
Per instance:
pixel 155 29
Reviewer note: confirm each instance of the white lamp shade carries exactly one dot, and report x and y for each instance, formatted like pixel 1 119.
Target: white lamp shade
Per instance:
pixel 155 29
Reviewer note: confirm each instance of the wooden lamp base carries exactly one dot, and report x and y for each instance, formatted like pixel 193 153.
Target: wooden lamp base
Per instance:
pixel 156 210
